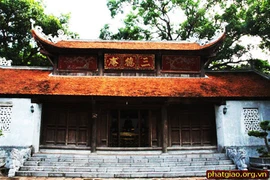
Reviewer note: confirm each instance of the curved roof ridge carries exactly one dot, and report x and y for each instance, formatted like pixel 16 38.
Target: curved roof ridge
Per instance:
pixel 64 41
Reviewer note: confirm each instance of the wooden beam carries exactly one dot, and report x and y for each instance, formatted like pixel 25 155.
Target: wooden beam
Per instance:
pixel 164 129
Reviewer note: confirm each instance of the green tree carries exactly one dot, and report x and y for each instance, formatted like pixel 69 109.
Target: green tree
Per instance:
pixel 15 25
pixel 182 19
pixel 265 128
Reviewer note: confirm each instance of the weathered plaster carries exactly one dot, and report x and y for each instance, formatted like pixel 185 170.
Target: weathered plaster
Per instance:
pixel 25 125
pixel 231 129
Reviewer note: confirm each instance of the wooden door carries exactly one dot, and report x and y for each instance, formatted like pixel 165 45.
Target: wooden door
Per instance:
pixel 65 126
pixel 192 126
pixel 102 129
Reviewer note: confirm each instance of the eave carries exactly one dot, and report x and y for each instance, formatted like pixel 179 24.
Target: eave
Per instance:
pixel 96 45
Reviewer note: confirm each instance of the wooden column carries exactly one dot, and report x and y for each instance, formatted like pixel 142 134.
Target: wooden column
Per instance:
pixel 164 129
pixel 158 64
pixel 94 127
pixel 100 64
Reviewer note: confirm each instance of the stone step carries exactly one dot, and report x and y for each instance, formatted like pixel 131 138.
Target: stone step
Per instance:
pixel 191 155
pixel 112 175
pixel 126 164
pixel 125 169
pixel 213 157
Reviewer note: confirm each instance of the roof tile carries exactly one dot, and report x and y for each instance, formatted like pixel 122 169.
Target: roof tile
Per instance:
pixel 37 82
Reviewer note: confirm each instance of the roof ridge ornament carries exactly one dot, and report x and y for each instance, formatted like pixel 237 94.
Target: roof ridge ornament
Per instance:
pixel 54 39
pixel 196 36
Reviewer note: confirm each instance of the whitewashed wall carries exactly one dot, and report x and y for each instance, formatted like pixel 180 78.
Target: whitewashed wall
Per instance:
pixel 231 127
pixel 25 125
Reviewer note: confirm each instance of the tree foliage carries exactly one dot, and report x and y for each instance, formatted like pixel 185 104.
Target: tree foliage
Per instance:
pixel 181 19
pixel 265 126
pixel 15 25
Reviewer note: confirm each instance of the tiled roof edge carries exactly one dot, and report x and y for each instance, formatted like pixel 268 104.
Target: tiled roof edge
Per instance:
pixel 239 71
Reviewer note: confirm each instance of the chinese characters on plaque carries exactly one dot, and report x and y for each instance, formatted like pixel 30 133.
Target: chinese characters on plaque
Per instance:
pixel 73 62
pixel 180 63
pixel 129 61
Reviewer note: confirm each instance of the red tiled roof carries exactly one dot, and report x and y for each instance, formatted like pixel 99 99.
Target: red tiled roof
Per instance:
pixel 126 45
pixel 37 82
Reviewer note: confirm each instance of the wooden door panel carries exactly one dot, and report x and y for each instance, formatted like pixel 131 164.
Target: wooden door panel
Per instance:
pixel 61 136
pixel 82 137
pixel 192 126
pixel 50 136
pixel 154 133
pixel 102 124
pixel 175 137
pixel 71 136
pixel 206 136
pixel 196 137
pixel 66 125
pixel 186 137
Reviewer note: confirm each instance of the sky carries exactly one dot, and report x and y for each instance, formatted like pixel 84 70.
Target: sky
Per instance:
pixel 87 16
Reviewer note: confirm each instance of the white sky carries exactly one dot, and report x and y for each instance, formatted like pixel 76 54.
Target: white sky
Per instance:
pixel 87 16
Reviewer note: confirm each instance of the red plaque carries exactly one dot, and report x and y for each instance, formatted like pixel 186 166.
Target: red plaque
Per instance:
pixel 130 61
pixel 180 63
pixel 73 62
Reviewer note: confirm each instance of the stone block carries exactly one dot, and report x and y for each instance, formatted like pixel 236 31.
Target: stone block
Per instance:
pixel 170 159
pixel 225 162
pixel 114 169
pixel 140 160
pixel 155 175
pixel 124 160
pixel 207 155
pixel 101 169
pixel 96 160
pixel 177 174
pixel 193 155
pixel 162 169
pixel 110 160
pixel 211 163
pixel 105 175
pixel 168 164
pixel 178 169
pixel 66 160
pixel 51 160
pixel 146 169
pixel 82 169
pixel 155 160
pixel 183 163
pixel 30 163
pixel 197 163
pixel 73 174
pixel 184 159
pixel 65 169
pixel 89 175
pixel 198 159
pixel 56 174
pixel 122 175
pixel 138 175
pixel 131 169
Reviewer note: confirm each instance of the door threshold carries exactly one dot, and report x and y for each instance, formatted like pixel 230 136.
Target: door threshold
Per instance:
pixel 128 148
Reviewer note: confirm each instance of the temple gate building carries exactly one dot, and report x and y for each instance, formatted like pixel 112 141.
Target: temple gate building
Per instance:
pixel 102 98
